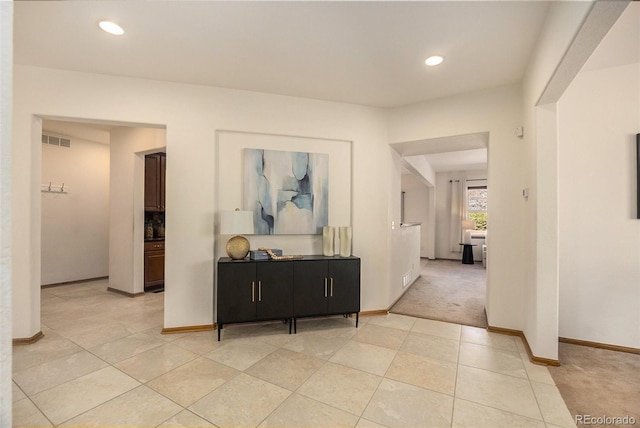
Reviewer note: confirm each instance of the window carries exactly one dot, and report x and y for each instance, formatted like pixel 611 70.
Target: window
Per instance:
pixel 477 204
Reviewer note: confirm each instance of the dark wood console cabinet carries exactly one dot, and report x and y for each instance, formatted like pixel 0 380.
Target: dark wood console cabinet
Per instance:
pixel 326 287
pixel 250 290
pixel 254 291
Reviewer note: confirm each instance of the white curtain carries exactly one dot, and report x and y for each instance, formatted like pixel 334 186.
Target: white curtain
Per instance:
pixel 457 205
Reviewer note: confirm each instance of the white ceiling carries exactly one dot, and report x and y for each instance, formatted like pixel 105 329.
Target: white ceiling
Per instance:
pixel 360 52
pixel 97 132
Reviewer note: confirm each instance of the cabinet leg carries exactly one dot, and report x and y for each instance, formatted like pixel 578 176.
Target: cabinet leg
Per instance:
pixel 219 328
pixel 357 318
pixel 295 326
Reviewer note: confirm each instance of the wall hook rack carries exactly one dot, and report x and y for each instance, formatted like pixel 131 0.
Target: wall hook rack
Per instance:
pixel 54 188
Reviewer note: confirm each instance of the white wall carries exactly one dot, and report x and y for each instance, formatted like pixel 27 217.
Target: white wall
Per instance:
pixel 25 225
pixel 497 111
pixel 419 208
pixel 539 175
pixel 192 116
pixel 75 225
pixel 404 242
pixel 126 215
pixel 230 181
pixel 405 264
pixel 599 247
pixel 422 168
pixel 6 83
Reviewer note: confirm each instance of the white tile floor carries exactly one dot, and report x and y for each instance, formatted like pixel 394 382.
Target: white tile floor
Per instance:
pixel 103 362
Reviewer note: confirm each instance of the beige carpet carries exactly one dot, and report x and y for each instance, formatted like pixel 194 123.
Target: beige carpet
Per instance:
pixel 448 291
pixel 598 382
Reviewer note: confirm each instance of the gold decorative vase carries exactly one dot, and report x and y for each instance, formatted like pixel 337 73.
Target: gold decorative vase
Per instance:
pixel 238 247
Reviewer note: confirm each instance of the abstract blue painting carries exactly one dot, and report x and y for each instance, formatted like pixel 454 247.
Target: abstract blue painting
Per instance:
pixel 287 191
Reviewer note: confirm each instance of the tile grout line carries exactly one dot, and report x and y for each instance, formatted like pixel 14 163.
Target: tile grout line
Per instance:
pixel 27 397
pixel 109 364
pixel 137 380
pixel 455 383
pixel 295 391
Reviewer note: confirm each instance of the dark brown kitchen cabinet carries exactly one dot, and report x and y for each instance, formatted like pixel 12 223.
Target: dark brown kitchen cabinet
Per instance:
pixel 154 182
pixel 250 290
pixel 153 265
pixel 254 291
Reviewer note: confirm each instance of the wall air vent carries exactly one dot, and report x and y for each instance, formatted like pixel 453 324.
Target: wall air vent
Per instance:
pixel 56 141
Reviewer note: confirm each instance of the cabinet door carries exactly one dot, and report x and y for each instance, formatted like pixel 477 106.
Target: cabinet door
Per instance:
pixel 237 293
pixel 153 268
pixel 344 286
pixel 151 183
pixel 311 288
pixel 274 290
pixel 162 172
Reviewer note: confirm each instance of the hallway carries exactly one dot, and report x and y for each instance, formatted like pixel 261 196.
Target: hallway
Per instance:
pixel 447 290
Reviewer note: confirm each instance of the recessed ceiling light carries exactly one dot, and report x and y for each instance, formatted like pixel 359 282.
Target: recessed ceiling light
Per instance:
pixel 434 60
pixel 111 28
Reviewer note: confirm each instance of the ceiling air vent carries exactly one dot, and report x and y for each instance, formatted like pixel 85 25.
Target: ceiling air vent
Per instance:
pixel 56 141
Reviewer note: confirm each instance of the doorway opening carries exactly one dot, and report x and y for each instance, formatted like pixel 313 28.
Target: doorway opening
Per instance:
pixel 75 202
pixel 445 188
pixel 155 166
pixel 91 174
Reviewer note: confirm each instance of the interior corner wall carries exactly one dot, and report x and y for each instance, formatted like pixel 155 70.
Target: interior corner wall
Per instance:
pixel 547 233
pixel 564 19
pixel 25 220
pixel 499 112
pixel 599 246
pixel 75 225
pixel 126 212
pixel 192 115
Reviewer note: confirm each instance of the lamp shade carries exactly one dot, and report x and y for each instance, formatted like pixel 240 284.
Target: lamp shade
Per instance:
pixel 236 222
pixel 468 224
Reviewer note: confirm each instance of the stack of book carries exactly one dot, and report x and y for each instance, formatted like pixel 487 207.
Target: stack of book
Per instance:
pixel 262 255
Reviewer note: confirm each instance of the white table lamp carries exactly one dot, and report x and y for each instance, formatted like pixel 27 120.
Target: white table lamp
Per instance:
pixel 237 223
pixel 467 227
